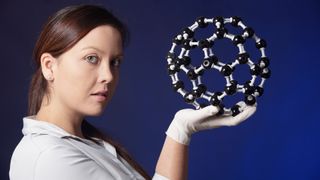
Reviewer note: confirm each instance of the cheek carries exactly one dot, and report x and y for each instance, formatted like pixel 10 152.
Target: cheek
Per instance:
pixel 74 82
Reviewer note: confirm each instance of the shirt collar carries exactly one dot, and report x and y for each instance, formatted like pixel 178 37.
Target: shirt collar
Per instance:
pixel 33 126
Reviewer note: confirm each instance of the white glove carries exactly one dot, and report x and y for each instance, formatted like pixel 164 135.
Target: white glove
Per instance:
pixel 188 121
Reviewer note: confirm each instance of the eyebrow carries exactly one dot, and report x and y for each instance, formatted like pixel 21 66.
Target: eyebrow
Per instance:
pixel 101 51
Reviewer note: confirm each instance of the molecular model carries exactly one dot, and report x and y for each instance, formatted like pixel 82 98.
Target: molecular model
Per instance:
pixel 186 41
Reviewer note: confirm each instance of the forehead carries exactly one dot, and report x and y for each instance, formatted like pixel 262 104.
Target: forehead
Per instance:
pixel 105 37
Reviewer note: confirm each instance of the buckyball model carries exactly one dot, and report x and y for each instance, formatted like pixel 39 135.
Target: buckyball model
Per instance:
pixel 178 61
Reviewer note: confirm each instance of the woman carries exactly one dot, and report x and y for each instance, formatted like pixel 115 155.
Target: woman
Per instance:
pixel 77 56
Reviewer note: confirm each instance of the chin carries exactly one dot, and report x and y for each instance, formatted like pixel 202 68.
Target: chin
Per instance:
pixel 96 112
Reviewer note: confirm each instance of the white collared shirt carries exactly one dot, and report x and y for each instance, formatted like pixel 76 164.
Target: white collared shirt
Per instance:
pixel 47 152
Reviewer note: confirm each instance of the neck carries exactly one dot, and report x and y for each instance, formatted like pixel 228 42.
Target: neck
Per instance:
pixel 61 117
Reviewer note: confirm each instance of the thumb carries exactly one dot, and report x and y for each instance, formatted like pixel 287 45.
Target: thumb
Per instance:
pixel 247 112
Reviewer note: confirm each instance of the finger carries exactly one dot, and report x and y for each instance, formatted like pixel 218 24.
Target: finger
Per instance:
pixel 207 111
pixel 229 120
pixel 199 114
pixel 246 113
pixel 243 106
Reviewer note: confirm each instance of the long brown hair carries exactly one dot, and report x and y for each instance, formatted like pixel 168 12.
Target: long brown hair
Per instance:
pixel 61 32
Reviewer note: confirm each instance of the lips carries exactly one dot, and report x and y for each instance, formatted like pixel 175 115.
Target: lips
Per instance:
pixel 103 93
pixel 100 95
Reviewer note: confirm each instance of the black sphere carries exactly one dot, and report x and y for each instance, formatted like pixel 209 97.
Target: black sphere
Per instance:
pixel 200 90
pixel 235 110
pixel 178 41
pixel 266 73
pixel 189 98
pixel 261 44
pixel 259 90
pixel 221 32
pixel 234 82
pixel 172 69
pixel 207 63
pixel 243 58
pixel 226 70
pixel 186 60
pixel 178 62
pixel 238 40
pixel 255 70
pixel 205 44
pixel 177 85
pixel 214 100
pixel 264 62
pixel 218 19
pixel 249 31
pixel 171 55
pixel 231 89
pixel 248 89
pixel 235 21
pixel 201 22
pixel 186 44
pixel 250 100
pixel 189 32
pixel 191 74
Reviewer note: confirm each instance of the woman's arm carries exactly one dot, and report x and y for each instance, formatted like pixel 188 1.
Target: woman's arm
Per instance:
pixel 173 160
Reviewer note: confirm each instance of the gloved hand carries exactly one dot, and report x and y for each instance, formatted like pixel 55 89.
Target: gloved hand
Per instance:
pixel 188 121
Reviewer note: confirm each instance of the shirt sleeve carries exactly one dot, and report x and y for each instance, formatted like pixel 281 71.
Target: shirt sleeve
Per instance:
pixel 65 163
pixel 159 177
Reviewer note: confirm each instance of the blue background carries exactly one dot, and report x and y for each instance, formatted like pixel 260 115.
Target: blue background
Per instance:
pixel 281 140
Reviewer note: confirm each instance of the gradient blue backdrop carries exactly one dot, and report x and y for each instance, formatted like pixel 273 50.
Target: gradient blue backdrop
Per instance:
pixel 281 141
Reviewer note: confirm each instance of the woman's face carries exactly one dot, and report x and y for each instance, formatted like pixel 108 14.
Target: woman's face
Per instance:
pixel 86 76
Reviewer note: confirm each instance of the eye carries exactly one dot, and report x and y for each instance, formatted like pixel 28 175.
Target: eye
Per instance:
pixel 115 62
pixel 93 59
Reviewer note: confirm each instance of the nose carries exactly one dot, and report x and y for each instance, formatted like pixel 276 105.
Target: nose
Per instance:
pixel 105 73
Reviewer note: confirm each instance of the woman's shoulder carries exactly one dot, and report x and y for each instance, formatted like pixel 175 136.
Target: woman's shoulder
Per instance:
pixel 40 151
pixel 31 148
pixel 40 136
pixel 39 143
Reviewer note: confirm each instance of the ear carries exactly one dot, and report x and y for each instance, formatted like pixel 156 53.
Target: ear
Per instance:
pixel 48 62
